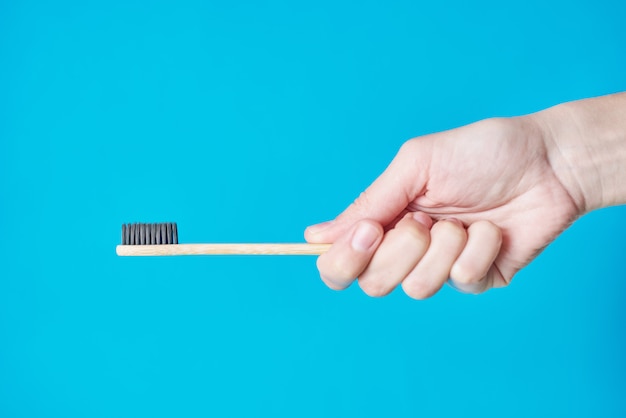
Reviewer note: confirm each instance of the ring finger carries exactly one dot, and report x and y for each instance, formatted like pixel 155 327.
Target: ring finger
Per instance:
pixel 447 239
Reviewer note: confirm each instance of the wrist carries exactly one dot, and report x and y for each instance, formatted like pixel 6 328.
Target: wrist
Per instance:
pixel 586 145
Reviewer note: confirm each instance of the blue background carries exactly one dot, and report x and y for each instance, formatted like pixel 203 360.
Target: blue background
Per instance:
pixel 247 122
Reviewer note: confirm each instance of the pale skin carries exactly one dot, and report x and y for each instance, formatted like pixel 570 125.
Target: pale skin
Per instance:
pixel 476 204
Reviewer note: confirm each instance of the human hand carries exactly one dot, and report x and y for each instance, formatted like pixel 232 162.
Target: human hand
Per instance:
pixel 474 204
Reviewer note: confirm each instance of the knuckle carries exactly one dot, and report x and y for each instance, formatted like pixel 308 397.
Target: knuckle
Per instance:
pixel 416 234
pixel 408 151
pixel 418 290
pixel 443 225
pixel 489 229
pixel 411 237
pixel 373 288
pixel 468 289
pixel 332 285
pixel 450 229
pixel 464 274
pixel 343 270
pixel 481 286
pixel 336 270
pixel 408 146
pixel 412 145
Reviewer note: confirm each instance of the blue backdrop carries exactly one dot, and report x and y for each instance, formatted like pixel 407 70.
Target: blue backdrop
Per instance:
pixel 247 121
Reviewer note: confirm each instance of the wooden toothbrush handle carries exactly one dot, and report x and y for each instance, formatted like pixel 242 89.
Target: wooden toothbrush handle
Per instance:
pixel 222 249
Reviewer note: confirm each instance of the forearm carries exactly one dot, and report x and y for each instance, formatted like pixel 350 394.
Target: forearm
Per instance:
pixel 586 143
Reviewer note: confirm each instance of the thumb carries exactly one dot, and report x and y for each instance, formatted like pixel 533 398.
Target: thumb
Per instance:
pixel 386 198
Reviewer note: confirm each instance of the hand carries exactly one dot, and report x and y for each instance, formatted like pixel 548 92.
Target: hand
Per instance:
pixel 475 204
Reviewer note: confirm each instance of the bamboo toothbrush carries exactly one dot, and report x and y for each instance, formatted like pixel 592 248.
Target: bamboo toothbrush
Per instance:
pixel 162 239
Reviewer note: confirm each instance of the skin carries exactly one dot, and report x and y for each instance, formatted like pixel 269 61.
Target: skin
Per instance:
pixel 476 204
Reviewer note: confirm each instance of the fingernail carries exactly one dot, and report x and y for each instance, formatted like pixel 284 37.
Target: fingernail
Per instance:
pixel 317 228
pixel 364 237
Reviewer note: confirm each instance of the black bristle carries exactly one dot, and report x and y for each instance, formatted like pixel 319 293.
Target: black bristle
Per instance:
pixel 149 234
pixel 146 233
pixel 136 239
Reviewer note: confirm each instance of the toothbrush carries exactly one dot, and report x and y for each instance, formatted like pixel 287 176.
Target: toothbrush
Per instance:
pixel 161 239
